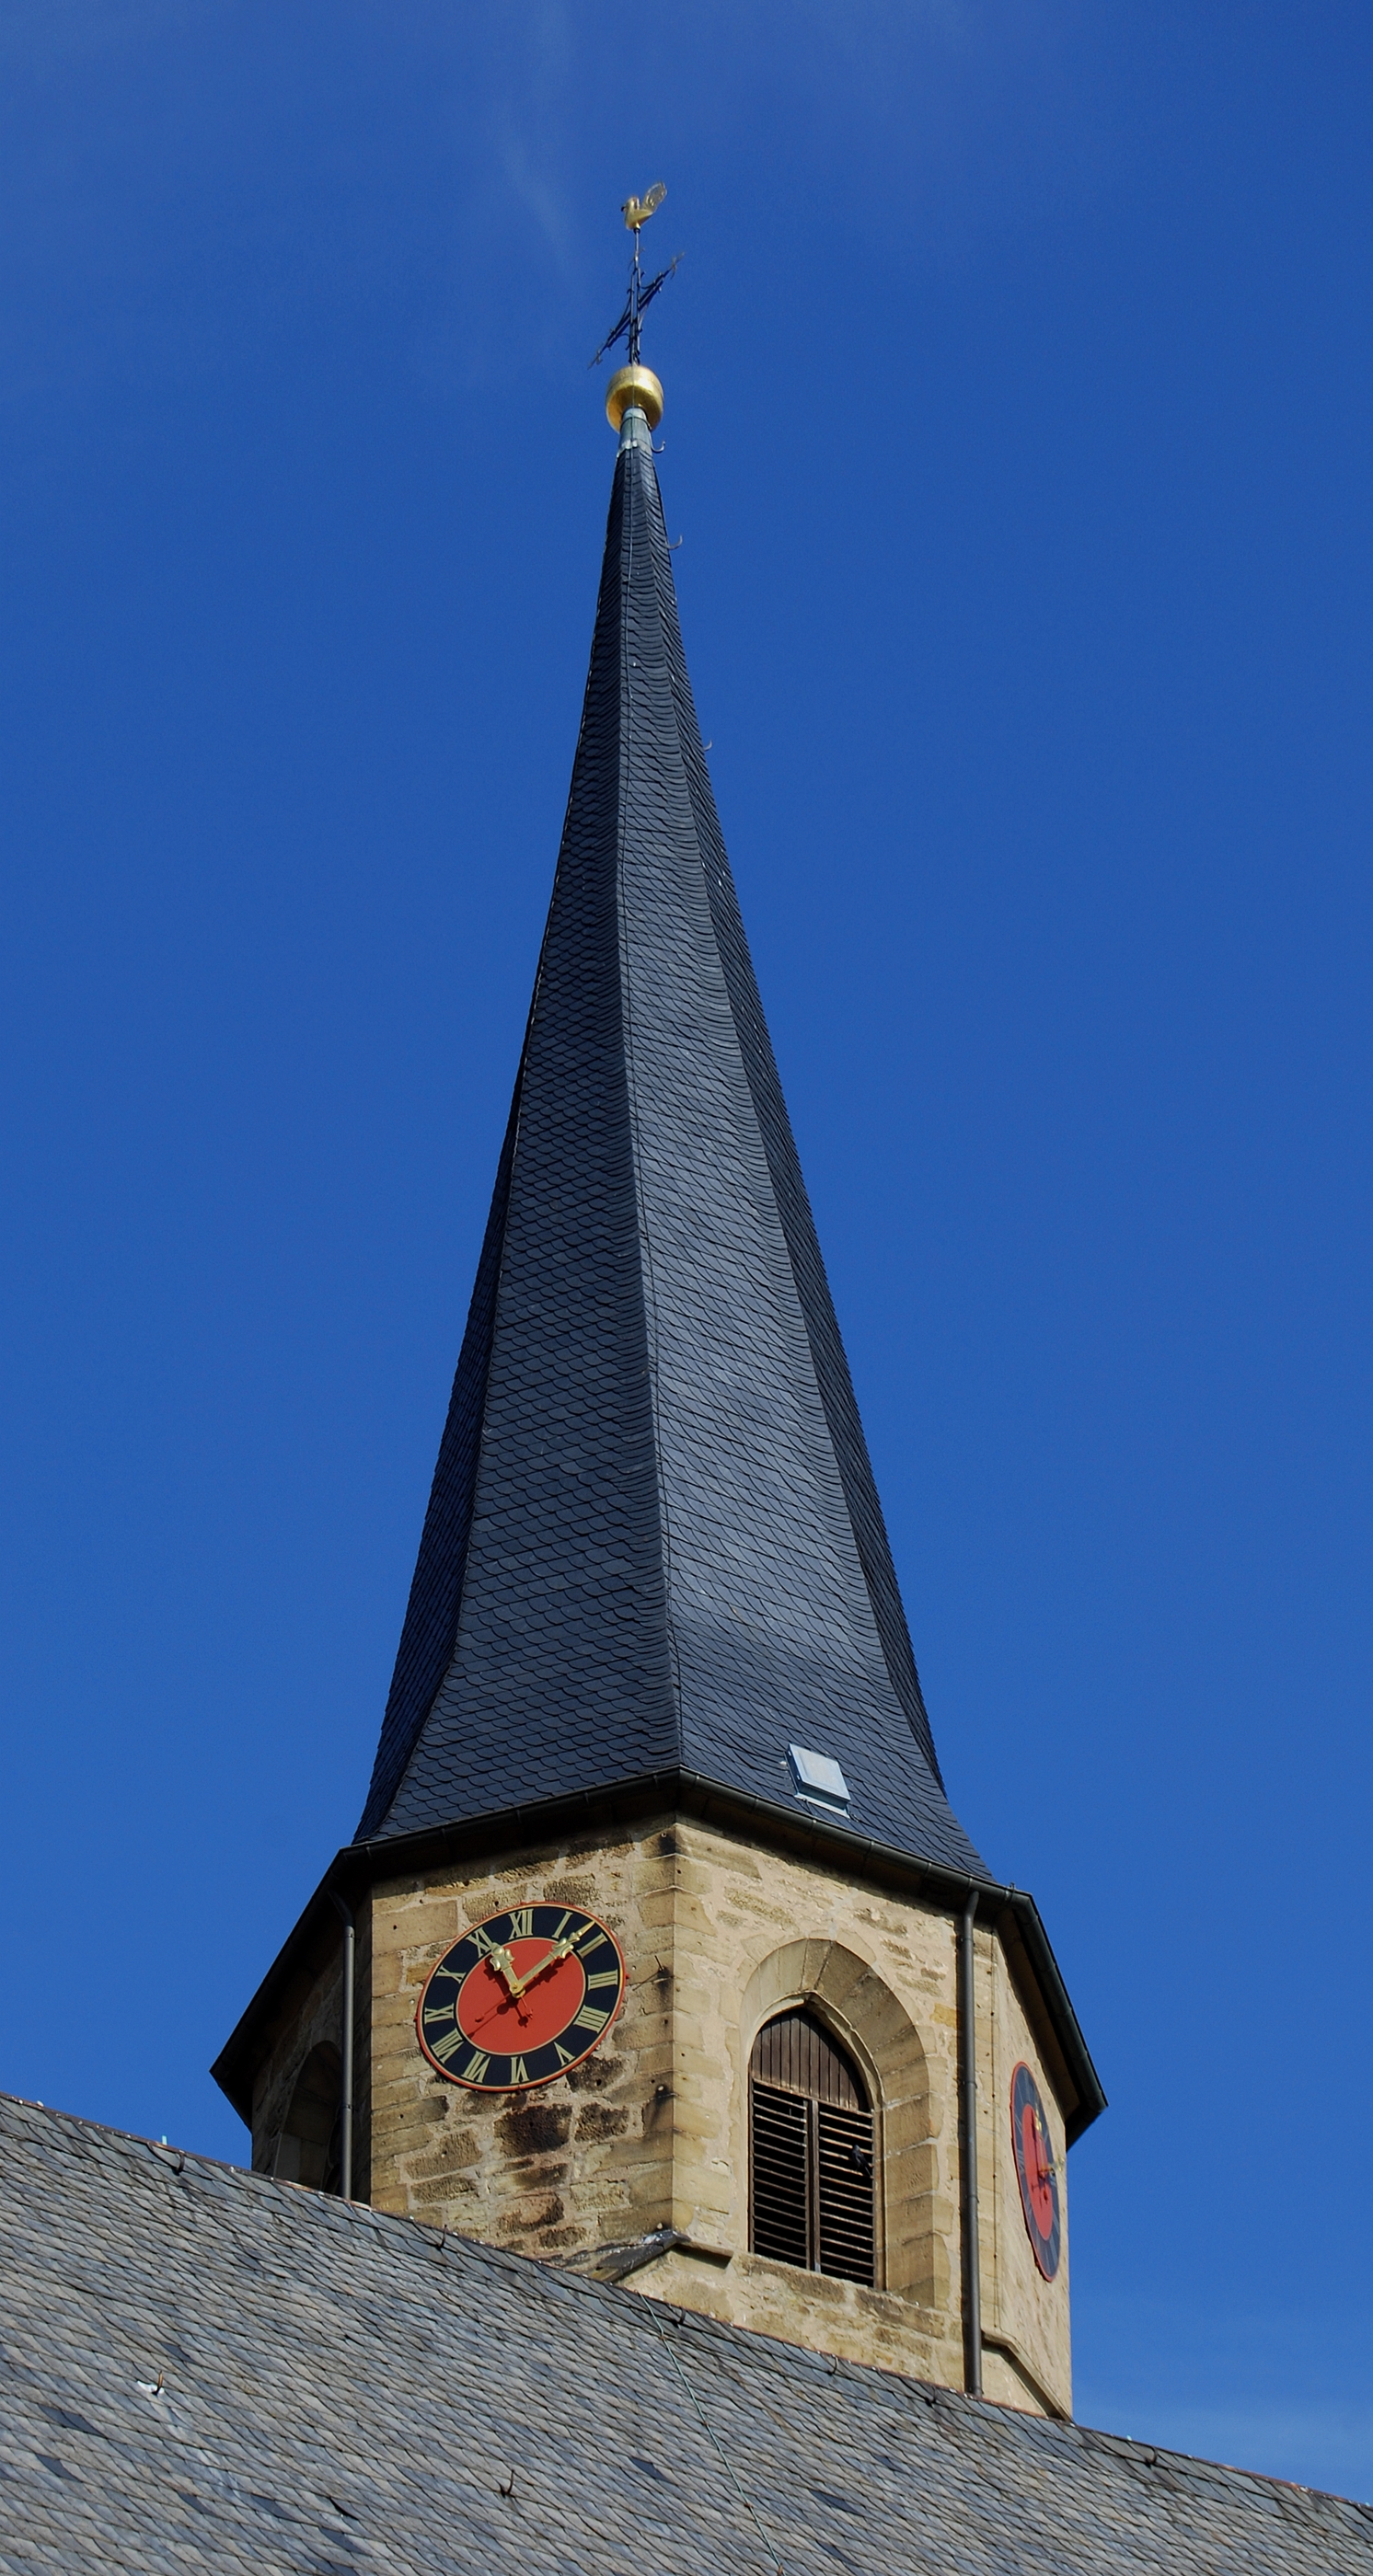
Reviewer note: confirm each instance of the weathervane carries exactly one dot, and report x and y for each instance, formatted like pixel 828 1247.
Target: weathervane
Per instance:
pixel 636 384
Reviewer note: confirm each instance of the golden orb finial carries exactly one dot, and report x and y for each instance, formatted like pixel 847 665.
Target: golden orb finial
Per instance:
pixel 633 388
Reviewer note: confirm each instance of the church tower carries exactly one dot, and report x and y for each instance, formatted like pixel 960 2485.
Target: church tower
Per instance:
pixel 659 1951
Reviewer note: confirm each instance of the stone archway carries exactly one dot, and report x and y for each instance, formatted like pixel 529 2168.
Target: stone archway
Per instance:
pixel 866 2017
pixel 307 2149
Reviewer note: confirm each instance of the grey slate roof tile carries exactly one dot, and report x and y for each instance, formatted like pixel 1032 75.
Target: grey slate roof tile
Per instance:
pixel 343 2390
pixel 653 1531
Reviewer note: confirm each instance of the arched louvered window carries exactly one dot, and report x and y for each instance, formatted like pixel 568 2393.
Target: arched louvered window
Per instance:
pixel 811 2151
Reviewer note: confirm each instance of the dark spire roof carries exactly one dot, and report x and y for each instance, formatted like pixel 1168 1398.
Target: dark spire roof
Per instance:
pixel 653 1540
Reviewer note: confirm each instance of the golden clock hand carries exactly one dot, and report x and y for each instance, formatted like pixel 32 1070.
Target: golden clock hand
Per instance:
pixel 559 1950
pixel 501 1960
pixel 1042 2141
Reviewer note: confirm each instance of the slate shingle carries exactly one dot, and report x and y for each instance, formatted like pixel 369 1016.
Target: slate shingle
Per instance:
pixel 653 1540
pixel 343 2390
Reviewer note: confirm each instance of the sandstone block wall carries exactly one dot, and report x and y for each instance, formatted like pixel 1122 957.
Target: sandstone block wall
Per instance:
pixel 651 2131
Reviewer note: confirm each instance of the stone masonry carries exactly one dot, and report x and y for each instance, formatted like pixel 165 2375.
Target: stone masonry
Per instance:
pixel 651 2131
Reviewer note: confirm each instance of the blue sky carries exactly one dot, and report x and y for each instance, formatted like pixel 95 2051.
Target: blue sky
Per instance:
pixel 1017 433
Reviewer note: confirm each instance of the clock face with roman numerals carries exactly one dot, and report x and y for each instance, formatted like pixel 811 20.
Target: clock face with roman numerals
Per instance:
pixel 521 1997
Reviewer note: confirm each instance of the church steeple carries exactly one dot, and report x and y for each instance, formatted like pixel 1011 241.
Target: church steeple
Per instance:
pixel 653 1528
pixel 660 1950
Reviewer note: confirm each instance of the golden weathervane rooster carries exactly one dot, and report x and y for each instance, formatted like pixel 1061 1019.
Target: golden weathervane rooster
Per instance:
pixel 636 210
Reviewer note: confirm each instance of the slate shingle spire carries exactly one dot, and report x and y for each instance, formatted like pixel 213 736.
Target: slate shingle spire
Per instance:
pixel 653 1540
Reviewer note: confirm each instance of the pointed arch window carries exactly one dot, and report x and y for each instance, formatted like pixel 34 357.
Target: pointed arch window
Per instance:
pixel 811 2173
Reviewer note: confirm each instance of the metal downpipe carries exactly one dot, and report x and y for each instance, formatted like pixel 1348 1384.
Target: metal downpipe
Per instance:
pixel 967 2150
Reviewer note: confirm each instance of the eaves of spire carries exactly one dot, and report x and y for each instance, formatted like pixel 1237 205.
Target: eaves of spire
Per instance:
pixel 653 1539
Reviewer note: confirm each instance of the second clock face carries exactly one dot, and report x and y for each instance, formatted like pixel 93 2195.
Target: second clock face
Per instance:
pixel 521 1997
pixel 1036 2171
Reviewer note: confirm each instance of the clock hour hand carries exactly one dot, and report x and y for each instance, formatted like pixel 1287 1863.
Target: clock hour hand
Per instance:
pixel 501 1960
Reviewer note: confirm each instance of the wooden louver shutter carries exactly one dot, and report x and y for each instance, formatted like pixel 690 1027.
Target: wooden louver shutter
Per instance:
pixel 781 2176
pixel 811 2162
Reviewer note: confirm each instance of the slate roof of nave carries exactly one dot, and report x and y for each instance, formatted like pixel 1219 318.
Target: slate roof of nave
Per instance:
pixel 654 1538
pixel 206 2369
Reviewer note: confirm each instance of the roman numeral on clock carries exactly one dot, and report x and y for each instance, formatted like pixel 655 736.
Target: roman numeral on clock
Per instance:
pixel 605 1977
pixel 445 2047
pixel 521 1922
pixel 519 2072
pixel 590 2018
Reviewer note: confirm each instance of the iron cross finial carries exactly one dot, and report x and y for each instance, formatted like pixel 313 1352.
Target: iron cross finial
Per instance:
pixel 636 212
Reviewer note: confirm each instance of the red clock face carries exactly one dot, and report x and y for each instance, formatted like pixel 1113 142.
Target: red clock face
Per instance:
pixel 521 1997
pixel 1037 2171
